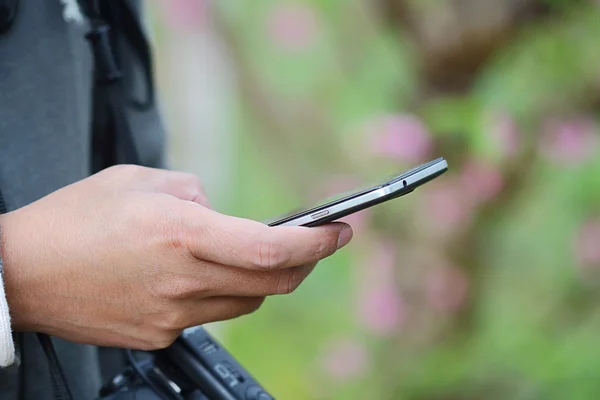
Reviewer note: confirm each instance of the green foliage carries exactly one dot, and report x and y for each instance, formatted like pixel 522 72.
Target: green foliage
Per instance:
pixel 551 67
pixel 531 328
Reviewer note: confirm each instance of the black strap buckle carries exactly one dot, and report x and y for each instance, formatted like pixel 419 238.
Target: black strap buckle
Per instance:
pixel 107 70
pixel 8 13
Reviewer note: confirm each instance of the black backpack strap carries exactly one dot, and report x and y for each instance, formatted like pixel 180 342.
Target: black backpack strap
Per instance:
pixel 113 21
pixel 110 127
pixel 131 30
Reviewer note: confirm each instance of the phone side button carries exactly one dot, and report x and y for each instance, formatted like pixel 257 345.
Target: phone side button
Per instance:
pixel 320 214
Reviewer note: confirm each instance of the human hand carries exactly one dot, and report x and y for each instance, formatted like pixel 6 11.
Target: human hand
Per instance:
pixel 132 256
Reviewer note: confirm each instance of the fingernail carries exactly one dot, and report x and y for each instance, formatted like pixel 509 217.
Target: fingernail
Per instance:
pixel 345 237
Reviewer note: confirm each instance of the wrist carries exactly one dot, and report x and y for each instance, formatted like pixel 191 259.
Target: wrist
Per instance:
pixel 7 346
pixel 13 274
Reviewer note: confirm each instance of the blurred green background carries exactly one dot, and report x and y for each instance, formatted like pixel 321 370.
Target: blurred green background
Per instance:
pixel 484 284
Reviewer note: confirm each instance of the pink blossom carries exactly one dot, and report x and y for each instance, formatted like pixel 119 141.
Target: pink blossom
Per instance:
pixel 481 181
pixel 447 288
pixel 587 244
pixel 505 134
pixel 380 307
pixel 293 25
pixel 402 138
pixel 381 269
pixel 382 310
pixel 346 359
pixel 445 209
pixel 358 221
pixel 185 14
pixel 570 142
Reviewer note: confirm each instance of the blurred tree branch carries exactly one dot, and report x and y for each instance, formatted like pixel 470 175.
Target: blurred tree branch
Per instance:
pixel 455 38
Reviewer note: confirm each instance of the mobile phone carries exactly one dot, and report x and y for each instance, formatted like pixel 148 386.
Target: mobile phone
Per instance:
pixel 347 204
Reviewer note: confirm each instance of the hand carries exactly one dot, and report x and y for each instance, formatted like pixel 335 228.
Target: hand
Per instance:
pixel 132 256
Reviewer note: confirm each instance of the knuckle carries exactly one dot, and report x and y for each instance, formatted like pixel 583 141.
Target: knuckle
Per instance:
pixel 193 184
pixel 125 171
pixel 236 309
pixel 194 181
pixel 156 340
pixel 225 312
pixel 163 340
pixel 244 307
pixel 325 247
pixel 269 254
pixel 143 345
pixel 190 179
pixel 174 287
pixel 147 217
pixel 173 320
pixel 117 174
pixel 121 168
pixel 168 228
pixel 288 281
pixel 253 305
pixel 175 235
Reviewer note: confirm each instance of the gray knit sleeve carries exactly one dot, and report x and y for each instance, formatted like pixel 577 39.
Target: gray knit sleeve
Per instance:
pixel 7 345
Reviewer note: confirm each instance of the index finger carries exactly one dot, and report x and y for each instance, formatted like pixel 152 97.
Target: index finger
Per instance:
pixel 249 244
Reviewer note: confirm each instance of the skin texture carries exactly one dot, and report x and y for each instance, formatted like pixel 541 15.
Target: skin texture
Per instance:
pixel 132 256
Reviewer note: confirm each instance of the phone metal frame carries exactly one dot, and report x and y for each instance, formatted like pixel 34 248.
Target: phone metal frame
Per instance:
pixel 396 187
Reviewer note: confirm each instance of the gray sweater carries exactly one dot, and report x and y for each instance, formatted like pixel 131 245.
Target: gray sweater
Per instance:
pixel 45 81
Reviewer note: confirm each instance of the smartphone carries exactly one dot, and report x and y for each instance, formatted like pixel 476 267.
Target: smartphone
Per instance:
pixel 347 204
